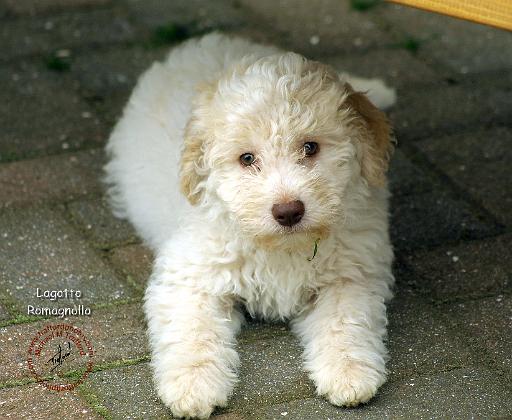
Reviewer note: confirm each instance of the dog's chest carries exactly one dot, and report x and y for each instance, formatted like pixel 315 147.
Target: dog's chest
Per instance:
pixel 278 286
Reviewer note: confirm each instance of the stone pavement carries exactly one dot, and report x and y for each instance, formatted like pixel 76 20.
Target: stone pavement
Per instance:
pixel 66 69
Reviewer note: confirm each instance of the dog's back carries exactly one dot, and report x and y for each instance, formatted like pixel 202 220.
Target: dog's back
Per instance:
pixel 145 146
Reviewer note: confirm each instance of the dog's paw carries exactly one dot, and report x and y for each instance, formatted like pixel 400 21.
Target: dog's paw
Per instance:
pixel 196 392
pixel 349 385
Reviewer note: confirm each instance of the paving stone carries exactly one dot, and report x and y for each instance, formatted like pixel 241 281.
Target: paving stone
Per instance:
pixel 405 178
pixel 478 162
pixel 255 330
pixel 462 393
pixel 38 403
pixel 107 77
pixel 271 371
pixel 430 219
pixel 40 249
pixel 397 68
pixel 34 7
pixel 64 177
pixel 440 109
pixel 66 30
pixel 127 392
pixel 468 270
pixel 4 313
pixel 115 333
pixel 200 15
pixel 95 219
pixel 133 261
pixel 488 326
pixel 460 45
pixel 228 416
pixel 332 28
pixel 41 113
pixel 4 11
pixel 420 341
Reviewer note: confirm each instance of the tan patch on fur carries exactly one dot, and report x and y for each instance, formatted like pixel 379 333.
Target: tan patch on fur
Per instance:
pixel 377 142
pixel 193 147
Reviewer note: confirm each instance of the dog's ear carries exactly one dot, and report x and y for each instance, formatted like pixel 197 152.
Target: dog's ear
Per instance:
pixel 191 158
pixel 377 137
pixel 193 170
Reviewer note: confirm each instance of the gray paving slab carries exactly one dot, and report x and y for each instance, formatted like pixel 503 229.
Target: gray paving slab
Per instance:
pixel 126 392
pixel 41 112
pixel 115 334
pixel 435 110
pixel 107 77
pixel 460 46
pixel 39 249
pixel 405 178
pixel 465 271
pixel 38 403
pixel 421 342
pixel 479 163
pixel 37 7
pixel 333 28
pixel 461 393
pixel 271 370
pixel 487 324
pixel 134 262
pixel 430 219
pixel 95 219
pixel 397 67
pixel 194 15
pixel 51 179
pixel 66 30
pixel 4 313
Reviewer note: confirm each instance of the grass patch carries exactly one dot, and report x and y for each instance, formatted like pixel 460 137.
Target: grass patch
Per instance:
pixel 17 382
pixel 58 64
pixel 411 44
pixel 21 319
pixel 77 374
pixel 363 5
pixel 169 34
pixel 94 402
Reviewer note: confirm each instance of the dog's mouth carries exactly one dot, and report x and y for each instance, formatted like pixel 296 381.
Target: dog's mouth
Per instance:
pixel 299 236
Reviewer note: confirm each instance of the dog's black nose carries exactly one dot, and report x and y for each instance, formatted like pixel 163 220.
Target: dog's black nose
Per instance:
pixel 288 214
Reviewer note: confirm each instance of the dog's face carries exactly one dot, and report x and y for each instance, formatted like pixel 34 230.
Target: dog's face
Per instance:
pixel 277 143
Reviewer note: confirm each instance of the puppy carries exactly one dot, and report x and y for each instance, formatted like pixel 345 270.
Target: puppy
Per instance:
pixel 258 178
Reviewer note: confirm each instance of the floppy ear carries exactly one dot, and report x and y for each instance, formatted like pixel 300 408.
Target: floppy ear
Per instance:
pixel 376 138
pixel 191 158
pixel 193 170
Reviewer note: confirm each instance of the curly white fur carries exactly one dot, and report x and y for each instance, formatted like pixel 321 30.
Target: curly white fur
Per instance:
pixel 222 248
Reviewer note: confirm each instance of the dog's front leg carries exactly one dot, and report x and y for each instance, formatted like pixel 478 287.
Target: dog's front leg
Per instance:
pixel 343 343
pixel 192 335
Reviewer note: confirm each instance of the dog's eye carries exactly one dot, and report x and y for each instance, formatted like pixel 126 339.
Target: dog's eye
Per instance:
pixel 247 159
pixel 310 148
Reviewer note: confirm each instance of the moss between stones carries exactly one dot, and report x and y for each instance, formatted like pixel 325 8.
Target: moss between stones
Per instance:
pixel 363 5
pixel 93 401
pixel 57 64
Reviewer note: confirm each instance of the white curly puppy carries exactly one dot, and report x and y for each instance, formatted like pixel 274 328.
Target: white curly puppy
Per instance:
pixel 283 208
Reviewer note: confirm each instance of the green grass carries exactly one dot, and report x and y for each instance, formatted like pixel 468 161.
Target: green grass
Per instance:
pixel 412 44
pixel 169 34
pixel 363 5
pixel 58 64
pixel 94 402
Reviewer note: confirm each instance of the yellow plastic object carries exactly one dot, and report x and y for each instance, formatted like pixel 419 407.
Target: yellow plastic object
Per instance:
pixel 491 12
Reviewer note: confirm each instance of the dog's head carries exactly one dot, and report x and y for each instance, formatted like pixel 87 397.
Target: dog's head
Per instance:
pixel 277 142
